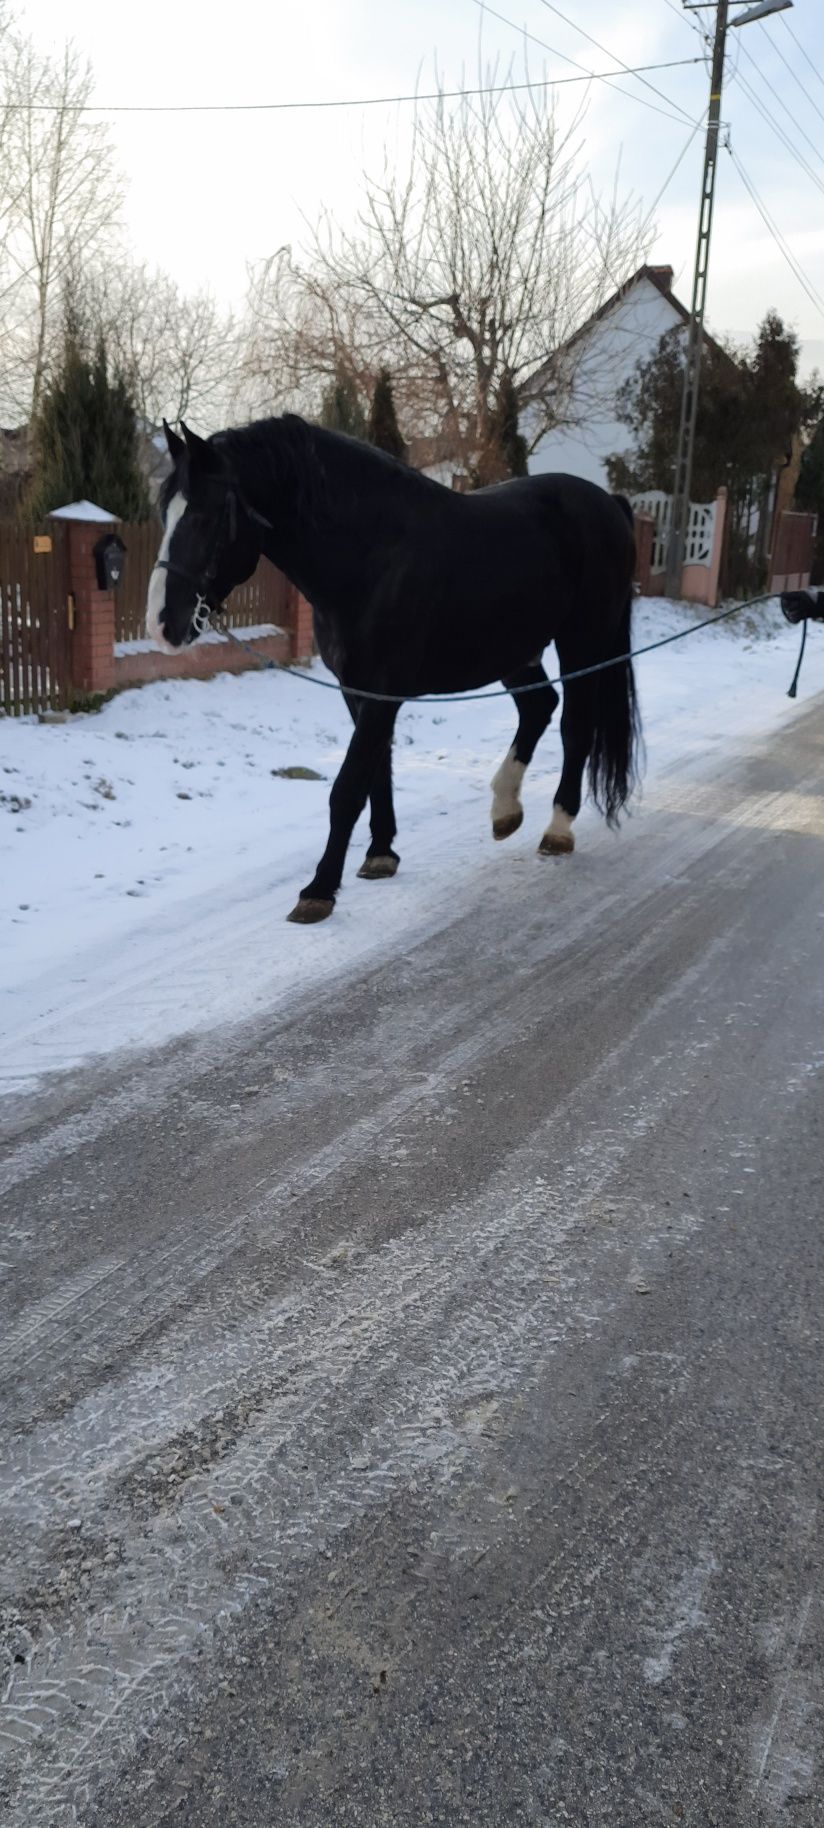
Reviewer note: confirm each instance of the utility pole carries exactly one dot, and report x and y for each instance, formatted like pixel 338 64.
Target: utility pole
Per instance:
pixel 695 338
pixel 692 368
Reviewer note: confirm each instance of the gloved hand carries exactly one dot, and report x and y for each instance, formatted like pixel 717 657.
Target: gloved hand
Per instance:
pixel 797 605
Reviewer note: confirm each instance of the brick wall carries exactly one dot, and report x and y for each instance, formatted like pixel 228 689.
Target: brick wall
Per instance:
pixel 300 626
pixel 201 661
pixel 97 668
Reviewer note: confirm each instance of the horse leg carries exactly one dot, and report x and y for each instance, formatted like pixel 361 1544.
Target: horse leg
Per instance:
pixel 380 860
pixel 535 711
pixel 371 739
pixel 577 733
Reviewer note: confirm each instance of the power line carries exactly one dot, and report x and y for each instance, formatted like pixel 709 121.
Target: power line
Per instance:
pixel 796 78
pixel 671 174
pixel 687 18
pixel 604 76
pixel 779 131
pixel 668 180
pixel 797 42
pixel 767 84
pixel 363 101
pixel 797 270
pixel 607 52
pixel 814 296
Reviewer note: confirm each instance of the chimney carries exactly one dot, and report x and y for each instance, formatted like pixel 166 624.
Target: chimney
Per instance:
pixel 664 276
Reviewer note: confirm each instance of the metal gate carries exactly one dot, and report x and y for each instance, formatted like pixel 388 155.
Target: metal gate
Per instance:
pixel 35 650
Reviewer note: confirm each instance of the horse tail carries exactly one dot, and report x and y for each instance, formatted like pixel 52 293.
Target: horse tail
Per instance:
pixel 614 758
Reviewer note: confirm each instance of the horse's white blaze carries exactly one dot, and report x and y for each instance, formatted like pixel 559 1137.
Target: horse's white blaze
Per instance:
pixel 506 787
pixel 156 596
pixel 560 825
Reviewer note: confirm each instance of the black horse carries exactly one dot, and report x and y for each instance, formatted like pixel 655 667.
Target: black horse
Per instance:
pixel 415 589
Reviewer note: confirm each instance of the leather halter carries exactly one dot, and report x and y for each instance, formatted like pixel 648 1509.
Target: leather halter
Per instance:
pixel 201 581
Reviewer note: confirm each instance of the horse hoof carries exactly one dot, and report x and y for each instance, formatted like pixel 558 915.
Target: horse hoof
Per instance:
pixel 503 828
pixel 376 869
pixel 556 844
pixel 306 912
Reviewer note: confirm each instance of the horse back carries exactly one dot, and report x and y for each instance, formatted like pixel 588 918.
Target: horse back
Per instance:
pixel 576 530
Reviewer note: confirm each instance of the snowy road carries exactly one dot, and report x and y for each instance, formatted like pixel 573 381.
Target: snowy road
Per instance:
pixel 411 1394
pixel 148 855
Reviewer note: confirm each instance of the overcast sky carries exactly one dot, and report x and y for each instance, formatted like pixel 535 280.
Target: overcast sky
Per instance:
pixel 210 193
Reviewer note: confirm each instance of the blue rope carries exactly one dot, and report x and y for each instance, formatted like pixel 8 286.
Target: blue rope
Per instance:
pixel 462 698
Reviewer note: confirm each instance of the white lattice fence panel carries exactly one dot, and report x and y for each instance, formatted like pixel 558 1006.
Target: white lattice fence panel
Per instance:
pixel 659 508
pixel 700 527
pixel 700 533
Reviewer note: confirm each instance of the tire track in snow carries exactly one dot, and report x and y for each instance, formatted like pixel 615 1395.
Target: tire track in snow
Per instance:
pixel 149 1283
pixel 384 1368
pixel 407 1297
pixel 453 1313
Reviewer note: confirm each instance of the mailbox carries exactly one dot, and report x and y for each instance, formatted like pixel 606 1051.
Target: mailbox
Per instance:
pixel 108 557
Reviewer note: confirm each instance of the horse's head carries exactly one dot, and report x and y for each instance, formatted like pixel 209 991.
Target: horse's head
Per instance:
pixel 211 541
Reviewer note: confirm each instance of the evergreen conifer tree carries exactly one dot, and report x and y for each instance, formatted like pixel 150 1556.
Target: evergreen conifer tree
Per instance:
pixel 341 409
pixel 383 429
pixel 85 441
pixel 511 442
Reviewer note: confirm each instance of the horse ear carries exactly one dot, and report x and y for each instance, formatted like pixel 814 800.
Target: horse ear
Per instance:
pixel 203 456
pixel 175 444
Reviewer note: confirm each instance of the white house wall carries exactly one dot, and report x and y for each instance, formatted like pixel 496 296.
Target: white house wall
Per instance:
pixel 604 358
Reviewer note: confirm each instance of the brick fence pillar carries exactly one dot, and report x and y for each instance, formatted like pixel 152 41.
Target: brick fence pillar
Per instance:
pixel 92 655
pixel 301 628
pixel 717 547
pixel 644 537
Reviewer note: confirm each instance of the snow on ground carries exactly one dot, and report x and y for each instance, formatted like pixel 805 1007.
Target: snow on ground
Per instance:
pixel 150 852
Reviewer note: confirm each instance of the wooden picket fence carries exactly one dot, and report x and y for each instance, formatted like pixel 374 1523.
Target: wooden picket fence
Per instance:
pixel 263 599
pixel 35 674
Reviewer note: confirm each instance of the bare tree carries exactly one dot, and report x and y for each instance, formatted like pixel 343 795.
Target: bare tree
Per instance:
pixel 60 192
pixel 303 333
pixel 178 350
pixel 468 271
pixel 8 188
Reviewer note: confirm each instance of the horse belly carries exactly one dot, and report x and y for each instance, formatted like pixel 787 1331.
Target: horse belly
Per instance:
pixel 486 640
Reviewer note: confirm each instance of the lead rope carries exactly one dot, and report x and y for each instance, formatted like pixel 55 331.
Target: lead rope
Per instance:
pixel 220 624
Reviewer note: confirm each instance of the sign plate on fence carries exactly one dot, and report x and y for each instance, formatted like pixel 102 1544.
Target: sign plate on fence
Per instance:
pixel 42 542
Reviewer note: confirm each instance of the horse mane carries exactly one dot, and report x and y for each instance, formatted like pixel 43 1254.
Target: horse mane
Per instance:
pixel 313 464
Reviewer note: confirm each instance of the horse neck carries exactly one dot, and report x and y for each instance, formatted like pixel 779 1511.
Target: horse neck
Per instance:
pixel 322 495
pixel 281 476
